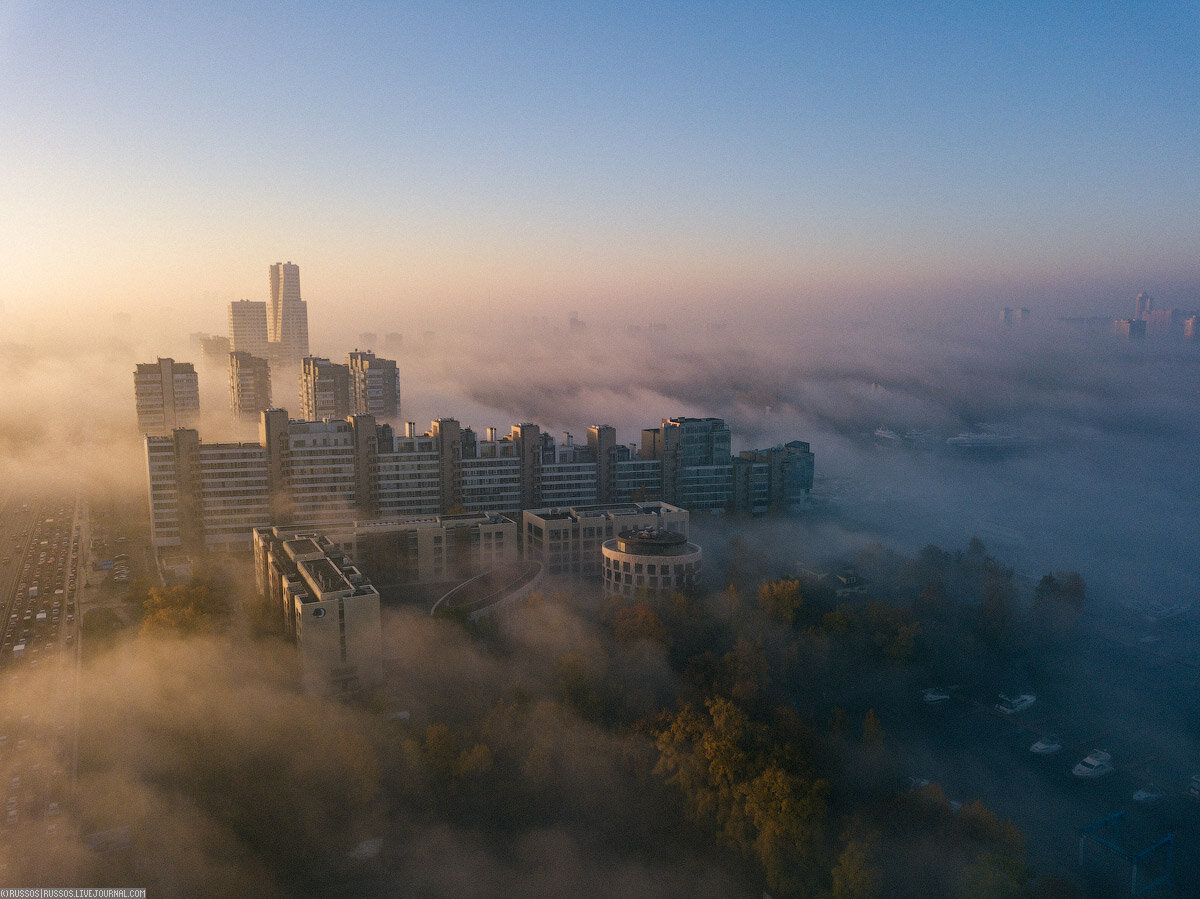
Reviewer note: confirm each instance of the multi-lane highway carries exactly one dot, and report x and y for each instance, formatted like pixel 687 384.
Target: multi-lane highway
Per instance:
pixel 42 554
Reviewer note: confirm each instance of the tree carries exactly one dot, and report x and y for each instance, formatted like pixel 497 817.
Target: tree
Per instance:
pixel 781 600
pixel 931 567
pixel 1058 600
pixel 998 610
pixel 783 817
pixel 182 609
pixel 872 730
pixel 734 781
pixel 996 877
pixel 638 622
pixel 747 671
pixel 854 877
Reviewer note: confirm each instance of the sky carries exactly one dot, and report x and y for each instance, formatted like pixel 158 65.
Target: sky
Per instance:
pixel 703 157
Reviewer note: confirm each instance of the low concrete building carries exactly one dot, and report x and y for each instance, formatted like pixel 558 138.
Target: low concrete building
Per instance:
pixel 327 606
pixel 650 561
pixel 432 549
pixel 568 541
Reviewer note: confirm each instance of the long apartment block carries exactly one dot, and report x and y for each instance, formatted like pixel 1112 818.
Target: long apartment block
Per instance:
pixel 312 473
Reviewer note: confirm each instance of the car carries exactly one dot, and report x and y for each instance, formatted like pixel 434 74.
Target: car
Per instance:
pixel 1010 705
pixel 935 695
pixel 1096 763
pixel 1047 744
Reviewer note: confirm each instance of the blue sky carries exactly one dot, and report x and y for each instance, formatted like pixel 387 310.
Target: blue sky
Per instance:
pixel 700 154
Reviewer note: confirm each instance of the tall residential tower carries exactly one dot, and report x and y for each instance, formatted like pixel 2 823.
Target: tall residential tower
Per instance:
pixel 167 394
pixel 249 384
pixel 374 385
pixel 248 328
pixel 287 320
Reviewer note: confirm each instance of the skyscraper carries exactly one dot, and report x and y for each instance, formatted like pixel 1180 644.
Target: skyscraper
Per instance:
pixel 167 394
pixel 287 322
pixel 248 328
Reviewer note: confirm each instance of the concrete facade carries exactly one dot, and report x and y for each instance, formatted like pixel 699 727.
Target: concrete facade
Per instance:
pixel 166 396
pixel 650 562
pixel 568 541
pixel 327 606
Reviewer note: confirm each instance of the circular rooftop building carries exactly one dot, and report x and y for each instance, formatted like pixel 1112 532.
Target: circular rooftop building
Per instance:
pixel 650 560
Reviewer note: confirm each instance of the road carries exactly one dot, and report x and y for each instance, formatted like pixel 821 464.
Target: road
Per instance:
pixel 41 541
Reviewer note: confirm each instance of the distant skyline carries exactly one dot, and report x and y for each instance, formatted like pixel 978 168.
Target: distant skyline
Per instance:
pixel 535 157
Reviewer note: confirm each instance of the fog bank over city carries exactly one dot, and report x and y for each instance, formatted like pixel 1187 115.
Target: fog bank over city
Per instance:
pixel 1096 474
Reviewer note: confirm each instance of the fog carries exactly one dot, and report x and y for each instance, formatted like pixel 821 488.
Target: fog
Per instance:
pixel 230 776
pixel 1104 483
pixel 1102 478
pixel 227 780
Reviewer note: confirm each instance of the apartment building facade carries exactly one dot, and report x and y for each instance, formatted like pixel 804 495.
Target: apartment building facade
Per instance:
pixel 355 468
pixel 166 396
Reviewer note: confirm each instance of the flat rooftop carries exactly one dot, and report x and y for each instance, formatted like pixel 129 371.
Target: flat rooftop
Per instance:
pixel 324 576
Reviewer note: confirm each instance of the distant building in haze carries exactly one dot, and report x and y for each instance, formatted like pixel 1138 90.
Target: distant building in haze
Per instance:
pixel 167 394
pixel 248 328
pixel 249 384
pixel 1129 329
pixel 287 321
pixel 374 385
pixel 1143 306
pixel 324 389
pixel 1164 321
pixel 213 346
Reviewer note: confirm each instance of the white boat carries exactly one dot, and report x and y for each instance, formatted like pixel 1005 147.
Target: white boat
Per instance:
pixel 935 695
pixel 1010 705
pixel 1147 796
pixel 1046 745
pixel 1097 763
